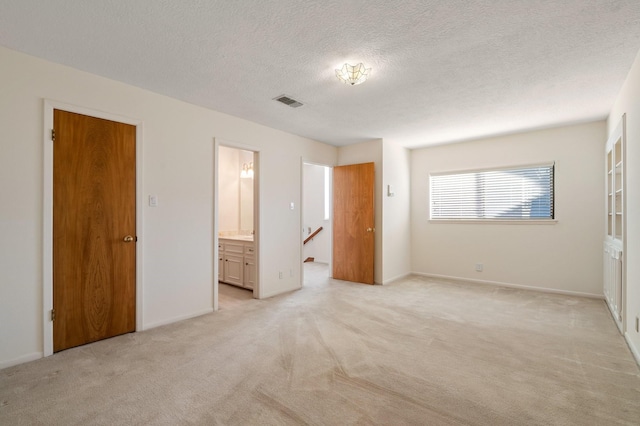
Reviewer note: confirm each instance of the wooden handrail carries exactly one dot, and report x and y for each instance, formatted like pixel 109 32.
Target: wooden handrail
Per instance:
pixel 310 237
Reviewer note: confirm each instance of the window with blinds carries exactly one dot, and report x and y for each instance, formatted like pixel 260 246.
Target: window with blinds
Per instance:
pixel 518 193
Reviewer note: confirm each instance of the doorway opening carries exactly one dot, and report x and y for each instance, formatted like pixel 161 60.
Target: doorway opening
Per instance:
pixel 317 222
pixel 236 226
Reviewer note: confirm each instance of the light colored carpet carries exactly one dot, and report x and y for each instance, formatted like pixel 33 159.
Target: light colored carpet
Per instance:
pixel 231 297
pixel 419 351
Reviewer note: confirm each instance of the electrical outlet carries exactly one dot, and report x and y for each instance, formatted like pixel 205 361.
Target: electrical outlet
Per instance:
pixel 280 274
pixel 290 272
pixel 479 267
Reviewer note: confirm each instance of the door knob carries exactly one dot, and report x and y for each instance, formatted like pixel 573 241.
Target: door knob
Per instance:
pixel 128 239
pixel 371 229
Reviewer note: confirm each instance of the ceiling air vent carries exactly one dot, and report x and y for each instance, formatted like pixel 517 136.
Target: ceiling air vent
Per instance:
pixel 288 101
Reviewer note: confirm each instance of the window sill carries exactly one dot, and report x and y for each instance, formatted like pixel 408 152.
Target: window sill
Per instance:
pixel 496 221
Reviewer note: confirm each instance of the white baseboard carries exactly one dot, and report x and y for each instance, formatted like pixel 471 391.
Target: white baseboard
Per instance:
pixel 518 286
pixel 21 360
pixel 399 277
pixel 176 319
pixel 635 351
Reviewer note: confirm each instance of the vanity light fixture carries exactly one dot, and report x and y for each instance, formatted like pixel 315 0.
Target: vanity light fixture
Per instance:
pixel 247 171
pixel 353 74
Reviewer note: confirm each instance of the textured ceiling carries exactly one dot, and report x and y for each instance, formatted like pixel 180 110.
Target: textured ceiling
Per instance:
pixel 443 71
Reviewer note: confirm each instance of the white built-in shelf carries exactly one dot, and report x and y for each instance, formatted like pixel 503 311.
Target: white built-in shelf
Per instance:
pixel 614 244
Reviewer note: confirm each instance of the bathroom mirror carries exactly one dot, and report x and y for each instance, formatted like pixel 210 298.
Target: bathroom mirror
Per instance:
pixel 246 204
pixel 235 191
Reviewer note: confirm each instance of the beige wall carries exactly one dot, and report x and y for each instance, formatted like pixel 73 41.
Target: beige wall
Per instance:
pixel 178 158
pixel 565 257
pixel 628 101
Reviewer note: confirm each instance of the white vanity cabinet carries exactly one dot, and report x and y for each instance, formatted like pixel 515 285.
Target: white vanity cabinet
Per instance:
pixel 236 262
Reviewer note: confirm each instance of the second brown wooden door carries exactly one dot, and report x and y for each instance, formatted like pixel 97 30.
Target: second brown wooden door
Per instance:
pixel 93 229
pixel 353 222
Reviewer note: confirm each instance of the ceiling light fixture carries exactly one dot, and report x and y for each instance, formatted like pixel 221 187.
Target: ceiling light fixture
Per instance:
pixel 353 74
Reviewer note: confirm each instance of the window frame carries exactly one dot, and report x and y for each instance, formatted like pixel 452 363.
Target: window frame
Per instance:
pixel 511 221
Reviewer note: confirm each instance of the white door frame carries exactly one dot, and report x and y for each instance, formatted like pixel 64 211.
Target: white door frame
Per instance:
pixel 330 230
pixel 47 216
pixel 257 196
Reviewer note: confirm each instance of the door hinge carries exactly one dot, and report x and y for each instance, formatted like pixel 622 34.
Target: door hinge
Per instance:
pixel 53 135
pixel 53 315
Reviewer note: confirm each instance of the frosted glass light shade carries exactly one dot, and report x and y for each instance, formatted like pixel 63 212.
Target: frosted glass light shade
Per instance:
pixel 353 74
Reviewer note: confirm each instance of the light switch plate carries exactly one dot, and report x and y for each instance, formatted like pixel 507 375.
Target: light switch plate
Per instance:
pixel 390 191
pixel 153 200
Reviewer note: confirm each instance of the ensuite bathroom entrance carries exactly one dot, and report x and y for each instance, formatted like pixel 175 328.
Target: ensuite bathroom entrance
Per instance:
pixel 237 248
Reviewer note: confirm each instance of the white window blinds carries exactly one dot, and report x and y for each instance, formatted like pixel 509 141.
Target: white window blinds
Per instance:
pixel 519 193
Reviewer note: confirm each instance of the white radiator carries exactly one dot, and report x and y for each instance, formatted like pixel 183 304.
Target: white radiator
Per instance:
pixel 613 281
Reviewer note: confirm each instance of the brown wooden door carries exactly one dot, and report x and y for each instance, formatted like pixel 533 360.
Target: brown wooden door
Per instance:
pixel 93 211
pixel 353 222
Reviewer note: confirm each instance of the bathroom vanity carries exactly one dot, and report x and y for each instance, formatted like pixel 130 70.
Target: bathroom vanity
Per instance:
pixel 236 261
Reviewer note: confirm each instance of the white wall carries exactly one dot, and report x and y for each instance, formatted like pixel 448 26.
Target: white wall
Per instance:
pixel 369 152
pixel 628 101
pixel 178 156
pixel 396 212
pixel 565 257
pixel 313 214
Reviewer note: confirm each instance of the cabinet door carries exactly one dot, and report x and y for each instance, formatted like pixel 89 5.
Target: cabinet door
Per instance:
pixel 249 272
pixel 220 261
pixel 233 267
